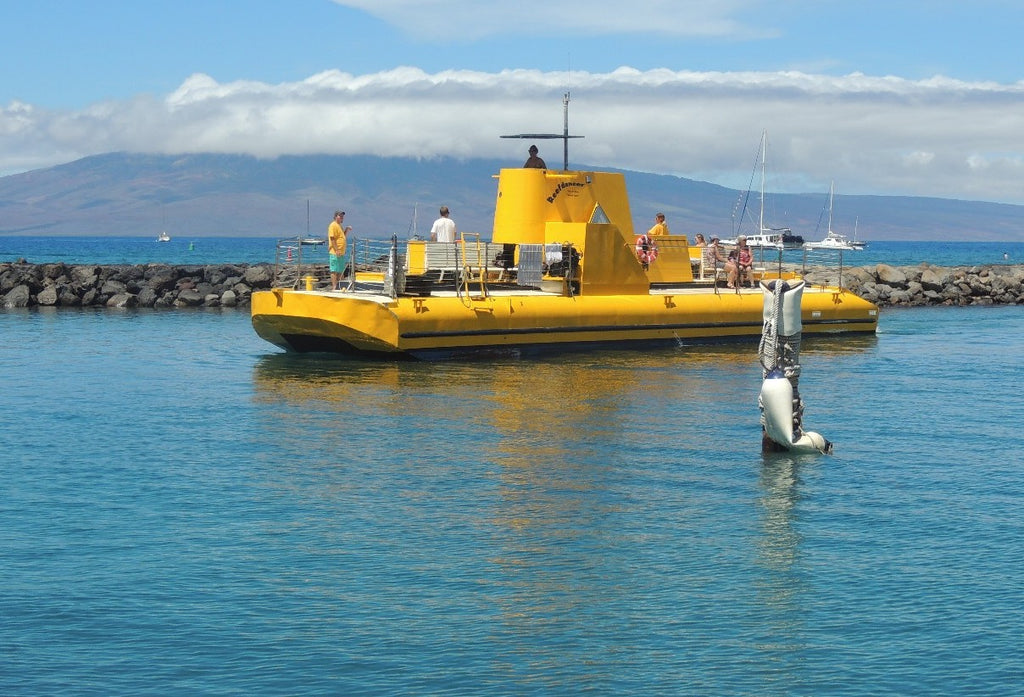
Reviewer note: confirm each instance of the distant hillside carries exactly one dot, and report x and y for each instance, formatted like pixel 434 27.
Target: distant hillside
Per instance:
pixel 229 195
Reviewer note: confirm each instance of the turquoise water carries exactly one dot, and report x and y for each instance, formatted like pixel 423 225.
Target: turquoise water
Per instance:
pixel 252 250
pixel 139 250
pixel 187 511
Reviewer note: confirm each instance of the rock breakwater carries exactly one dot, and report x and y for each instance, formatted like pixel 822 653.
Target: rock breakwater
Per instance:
pixel 884 285
pixel 231 285
pixel 149 285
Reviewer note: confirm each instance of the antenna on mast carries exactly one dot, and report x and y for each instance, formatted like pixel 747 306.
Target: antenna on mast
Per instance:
pixel 564 135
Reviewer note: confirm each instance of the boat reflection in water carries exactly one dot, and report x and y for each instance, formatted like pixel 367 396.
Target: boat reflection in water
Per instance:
pixel 551 488
pixel 506 405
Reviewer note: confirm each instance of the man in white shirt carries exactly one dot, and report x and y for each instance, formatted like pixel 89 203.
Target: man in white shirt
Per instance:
pixel 443 229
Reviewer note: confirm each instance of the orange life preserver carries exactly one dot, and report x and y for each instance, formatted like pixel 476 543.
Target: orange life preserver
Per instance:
pixel 646 249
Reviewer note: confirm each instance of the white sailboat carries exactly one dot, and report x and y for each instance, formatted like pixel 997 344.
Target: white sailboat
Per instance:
pixel 163 236
pixel 765 237
pixel 833 240
pixel 311 239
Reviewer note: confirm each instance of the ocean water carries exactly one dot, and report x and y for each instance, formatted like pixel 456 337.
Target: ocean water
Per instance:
pixel 253 250
pixel 184 510
pixel 139 250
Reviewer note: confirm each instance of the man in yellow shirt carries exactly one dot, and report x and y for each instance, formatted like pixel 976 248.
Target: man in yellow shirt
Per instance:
pixel 660 228
pixel 337 242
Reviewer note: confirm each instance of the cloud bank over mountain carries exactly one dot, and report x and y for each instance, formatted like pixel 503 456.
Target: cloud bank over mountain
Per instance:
pixel 873 135
pixel 241 195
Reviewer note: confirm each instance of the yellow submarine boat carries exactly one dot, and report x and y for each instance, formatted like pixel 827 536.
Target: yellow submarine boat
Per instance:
pixel 563 271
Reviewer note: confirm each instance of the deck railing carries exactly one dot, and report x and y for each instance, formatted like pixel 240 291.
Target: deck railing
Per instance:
pixel 294 260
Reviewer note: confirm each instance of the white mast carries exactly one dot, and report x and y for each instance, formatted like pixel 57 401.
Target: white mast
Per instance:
pixel 831 191
pixel 764 153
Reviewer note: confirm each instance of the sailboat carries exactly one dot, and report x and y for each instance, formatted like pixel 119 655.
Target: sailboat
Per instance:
pixel 833 240
pixel 311 239
pixel 855 242
pixel 766 237
pixel 163 236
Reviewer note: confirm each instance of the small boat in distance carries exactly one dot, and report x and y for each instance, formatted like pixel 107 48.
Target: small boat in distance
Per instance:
pixel 771 238
pixel 764 240
pixel 790 240
pixel 310 239
pixel 833 240
pixel 855 242
pixel 163 237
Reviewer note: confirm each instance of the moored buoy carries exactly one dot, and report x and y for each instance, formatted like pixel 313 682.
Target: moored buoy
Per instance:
pixel 779 400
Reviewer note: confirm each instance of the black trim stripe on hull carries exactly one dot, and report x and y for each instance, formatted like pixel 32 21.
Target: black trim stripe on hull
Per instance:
pixel 320 344
pixel 548 331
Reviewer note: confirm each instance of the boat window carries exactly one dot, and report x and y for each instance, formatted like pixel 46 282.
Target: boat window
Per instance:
pixel 599 216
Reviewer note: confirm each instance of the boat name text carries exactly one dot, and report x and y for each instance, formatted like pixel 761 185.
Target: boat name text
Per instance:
pixel 564 185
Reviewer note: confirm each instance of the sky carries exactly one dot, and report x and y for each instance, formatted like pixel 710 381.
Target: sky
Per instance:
pixel 885 97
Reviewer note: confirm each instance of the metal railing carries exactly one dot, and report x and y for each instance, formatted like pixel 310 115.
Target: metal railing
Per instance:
pixel 293 261
pixel 381 265
pixel 823 257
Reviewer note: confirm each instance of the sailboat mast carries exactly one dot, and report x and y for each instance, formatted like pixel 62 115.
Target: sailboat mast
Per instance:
pixel 831 192
pixel 764 153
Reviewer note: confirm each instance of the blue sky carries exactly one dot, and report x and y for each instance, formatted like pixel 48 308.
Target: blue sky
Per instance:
pixel 908 98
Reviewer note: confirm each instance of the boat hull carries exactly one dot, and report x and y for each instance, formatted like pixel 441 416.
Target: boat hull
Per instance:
pixel 438 327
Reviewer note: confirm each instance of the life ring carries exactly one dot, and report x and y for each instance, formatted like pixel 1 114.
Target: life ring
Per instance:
pixel 646 249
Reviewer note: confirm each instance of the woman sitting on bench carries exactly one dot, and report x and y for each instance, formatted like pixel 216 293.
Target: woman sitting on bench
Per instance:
pixel 739 268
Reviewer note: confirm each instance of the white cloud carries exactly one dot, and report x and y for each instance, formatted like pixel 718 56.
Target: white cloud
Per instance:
pixel 881 135
pixel 473 19
pixel 921 159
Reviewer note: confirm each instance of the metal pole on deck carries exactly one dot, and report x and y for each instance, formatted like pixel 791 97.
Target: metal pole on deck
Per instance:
pixel 565 132
pixel 564 135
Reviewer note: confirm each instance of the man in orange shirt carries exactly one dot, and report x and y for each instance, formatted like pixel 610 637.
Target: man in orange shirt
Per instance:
pixel 337 242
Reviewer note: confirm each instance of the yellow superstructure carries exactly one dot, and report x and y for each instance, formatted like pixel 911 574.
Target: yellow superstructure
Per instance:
pixel 598 294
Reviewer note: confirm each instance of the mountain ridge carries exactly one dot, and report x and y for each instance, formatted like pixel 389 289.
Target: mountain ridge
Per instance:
pixel 240 195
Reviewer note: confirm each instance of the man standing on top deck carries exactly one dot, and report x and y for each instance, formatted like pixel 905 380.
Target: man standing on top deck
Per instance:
pixel 443 229
pixel 660 227
pixel 535 161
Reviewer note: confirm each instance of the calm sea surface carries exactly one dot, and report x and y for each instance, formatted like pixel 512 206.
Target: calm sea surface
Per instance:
pixel 186 511
pixel 252 250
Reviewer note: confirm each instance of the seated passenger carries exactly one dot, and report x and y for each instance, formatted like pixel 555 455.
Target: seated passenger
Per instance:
pixel 731 268
pixel 744 262
pixel 700 244
pixel 712 255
